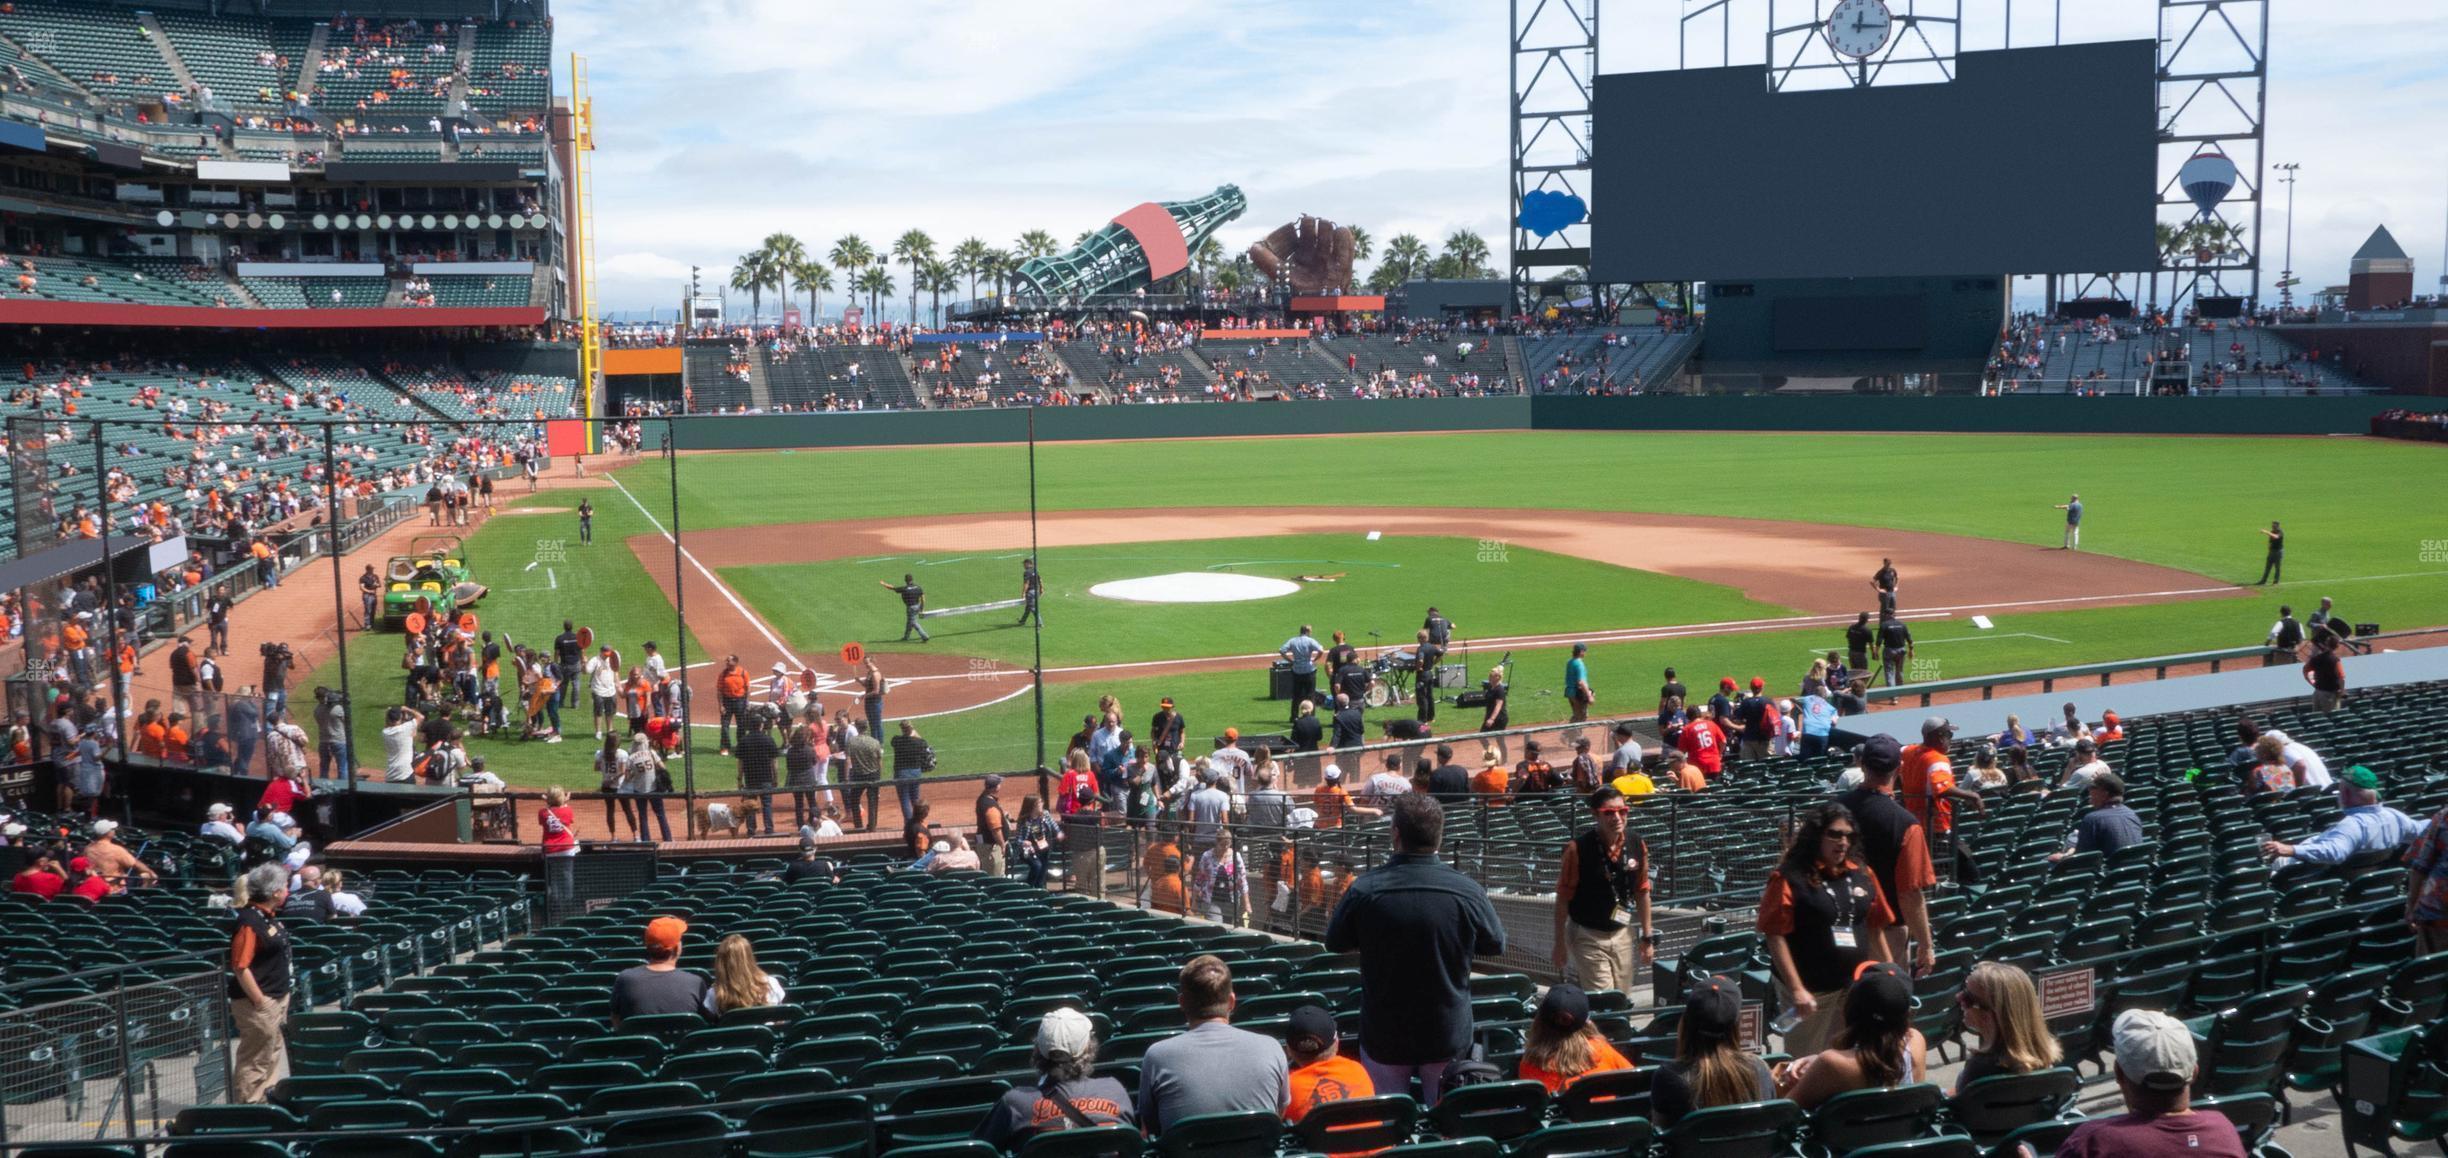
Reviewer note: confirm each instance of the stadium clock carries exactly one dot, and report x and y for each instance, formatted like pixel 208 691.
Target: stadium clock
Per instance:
pixel 1858 28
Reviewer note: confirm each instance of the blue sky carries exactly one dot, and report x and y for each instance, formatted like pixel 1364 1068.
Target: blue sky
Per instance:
pixel 721 121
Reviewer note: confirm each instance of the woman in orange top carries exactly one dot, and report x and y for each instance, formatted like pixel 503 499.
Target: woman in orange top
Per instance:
pixel 1162 866
pixel 1562 1046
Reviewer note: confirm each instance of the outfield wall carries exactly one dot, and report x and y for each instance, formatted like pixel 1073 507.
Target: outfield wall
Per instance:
pixel 2028 415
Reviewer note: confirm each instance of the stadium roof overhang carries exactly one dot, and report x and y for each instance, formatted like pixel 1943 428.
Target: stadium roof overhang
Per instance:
pixel 21 312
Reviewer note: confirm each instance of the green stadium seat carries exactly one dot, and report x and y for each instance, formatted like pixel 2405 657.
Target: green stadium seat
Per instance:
pixel 1749 1130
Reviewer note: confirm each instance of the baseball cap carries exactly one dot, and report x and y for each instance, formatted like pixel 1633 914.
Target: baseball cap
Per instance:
pixel 1565 1007
pixel 1302 817
pixel 1757 683
pixel 1878 998
pixel 1165 702
pixel 1881 753
pixel 218 810
pixel 1333 772
pixel 1064 1034
pixel 2359 776
pixel 1726 682
pixel 2086 744
pixel 994 780
pixel 12 828
pixel 1713 1009
pixel 1311 1029
pixel 665 932
pixel 2114 783
pixel 2153 1050
pixel 105 827
pixel 1937 724
pixel 79 864
pixel 1232 733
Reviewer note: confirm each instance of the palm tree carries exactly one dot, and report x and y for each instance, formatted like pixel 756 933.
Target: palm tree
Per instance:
pixel 914 248
pixel 876 281
pixel 1036 243
pixel 811 277
pixel 969 260
pixel 755 272
pixel 1362 243
pixel 1209 255
pixel 1468 251
pixel 783 248
pixel 850 255
pixel 1407 256
pixel 937 277
pixel 998 268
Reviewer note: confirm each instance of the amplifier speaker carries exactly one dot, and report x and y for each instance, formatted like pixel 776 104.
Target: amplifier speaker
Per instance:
pixel 1279 682
pixel 1452 675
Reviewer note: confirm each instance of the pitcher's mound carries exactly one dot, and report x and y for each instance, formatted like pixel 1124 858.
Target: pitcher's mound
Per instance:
pixel 1195 587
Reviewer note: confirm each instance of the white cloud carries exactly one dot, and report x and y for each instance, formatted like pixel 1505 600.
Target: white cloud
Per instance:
pixel 721 121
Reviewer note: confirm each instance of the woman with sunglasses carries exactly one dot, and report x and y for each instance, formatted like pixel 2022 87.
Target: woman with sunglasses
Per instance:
pixel 1605 873
pixel 1823 915
pixel 2001 1005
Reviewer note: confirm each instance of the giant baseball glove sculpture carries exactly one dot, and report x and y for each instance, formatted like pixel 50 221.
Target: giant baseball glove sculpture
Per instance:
pixel 1316 254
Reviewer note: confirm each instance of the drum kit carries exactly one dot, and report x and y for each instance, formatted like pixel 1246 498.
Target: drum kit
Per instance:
pixel 1390 676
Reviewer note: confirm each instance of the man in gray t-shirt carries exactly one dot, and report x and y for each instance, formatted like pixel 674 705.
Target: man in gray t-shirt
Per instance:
pixel 1210 1068
pixel 1208 808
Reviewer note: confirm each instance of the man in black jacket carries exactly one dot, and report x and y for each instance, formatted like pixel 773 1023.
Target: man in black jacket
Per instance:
pixel 1416 923
pixel 757 752
pixel 1350 727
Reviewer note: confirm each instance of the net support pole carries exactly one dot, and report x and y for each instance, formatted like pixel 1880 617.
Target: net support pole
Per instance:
pixel 110 591
pixel 331 530
pixel 688 735
pixel 1045 790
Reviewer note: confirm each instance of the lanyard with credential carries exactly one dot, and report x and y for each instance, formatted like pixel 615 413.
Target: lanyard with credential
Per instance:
pixel 1848 913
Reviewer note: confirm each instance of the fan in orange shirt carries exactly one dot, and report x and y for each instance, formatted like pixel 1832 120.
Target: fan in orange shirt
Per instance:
pixel 1493 780
pixel 1162 865
pixel 1320 1072
pixel 1562 1046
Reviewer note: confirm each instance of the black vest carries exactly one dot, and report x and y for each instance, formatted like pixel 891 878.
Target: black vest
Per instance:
pixel 1820 907
pixel 1606 886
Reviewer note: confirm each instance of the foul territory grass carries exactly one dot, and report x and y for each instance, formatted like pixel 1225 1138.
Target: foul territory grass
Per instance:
pixel 1385 586
pixel 599 585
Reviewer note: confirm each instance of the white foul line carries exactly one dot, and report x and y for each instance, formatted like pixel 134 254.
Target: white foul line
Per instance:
pixel 725 592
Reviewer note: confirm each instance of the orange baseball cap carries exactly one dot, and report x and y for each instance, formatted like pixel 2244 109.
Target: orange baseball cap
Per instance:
pixel 1232 733
pixel 665 932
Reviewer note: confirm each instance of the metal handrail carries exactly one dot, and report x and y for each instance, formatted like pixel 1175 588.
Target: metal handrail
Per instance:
pixel 2158 665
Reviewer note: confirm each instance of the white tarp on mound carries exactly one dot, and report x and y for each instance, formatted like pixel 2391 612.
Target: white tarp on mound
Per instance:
pixel 1195 587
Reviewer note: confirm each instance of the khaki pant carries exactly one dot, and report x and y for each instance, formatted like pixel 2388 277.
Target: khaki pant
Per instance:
pixel 262 1053
pixel 1603 960
pixel 1815 1031
pixel 990 859
pixel 2328 701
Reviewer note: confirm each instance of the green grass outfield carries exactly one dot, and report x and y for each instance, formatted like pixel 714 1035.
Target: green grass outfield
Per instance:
pixel 2367 522
pixel 1386 584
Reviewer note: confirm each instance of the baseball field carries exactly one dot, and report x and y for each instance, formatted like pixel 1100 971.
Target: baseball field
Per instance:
pixel 1717 553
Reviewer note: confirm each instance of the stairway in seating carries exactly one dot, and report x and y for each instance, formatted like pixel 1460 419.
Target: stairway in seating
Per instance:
pixel 1517 366
pixel 463 61
pixel 161 44
pixel 310 62
pixel 760 390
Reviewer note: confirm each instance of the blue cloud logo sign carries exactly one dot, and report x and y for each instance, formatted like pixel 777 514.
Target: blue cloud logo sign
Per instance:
pixel 1545 211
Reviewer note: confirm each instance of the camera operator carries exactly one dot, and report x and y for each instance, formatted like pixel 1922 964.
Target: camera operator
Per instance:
pixel 332 735
pixel 399 737
pixel 277 661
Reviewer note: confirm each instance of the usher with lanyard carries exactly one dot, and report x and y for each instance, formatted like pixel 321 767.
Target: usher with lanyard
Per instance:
pixel 1834 922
